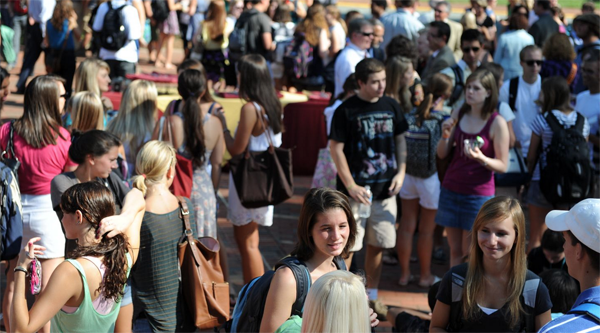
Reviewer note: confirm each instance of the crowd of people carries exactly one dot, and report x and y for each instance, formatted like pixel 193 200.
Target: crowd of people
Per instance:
pixel 483 129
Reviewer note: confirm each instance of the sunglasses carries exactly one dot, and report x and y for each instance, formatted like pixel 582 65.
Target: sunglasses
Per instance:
pixel 531 62
pixel 65 96
pixel 367 34
pixel 469 49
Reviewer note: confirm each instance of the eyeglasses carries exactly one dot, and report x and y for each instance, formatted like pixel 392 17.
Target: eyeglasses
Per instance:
pixel 439 11
pixel 469 49
pixel 531 62
pixel 367 34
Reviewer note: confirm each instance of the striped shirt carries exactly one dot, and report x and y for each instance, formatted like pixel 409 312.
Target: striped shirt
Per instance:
pixel 576 322
pixel 156 272
pixel 541 128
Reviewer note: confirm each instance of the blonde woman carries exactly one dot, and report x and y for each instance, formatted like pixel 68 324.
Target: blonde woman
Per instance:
pixel 93 75
pixel 136 118
pixel 155 275
pixel 399 78
pixel 494 290
pixel 337 28
pixel 86 111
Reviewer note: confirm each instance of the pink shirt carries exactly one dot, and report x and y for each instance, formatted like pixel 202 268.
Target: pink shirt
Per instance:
pixel 465 175
pixel 38 166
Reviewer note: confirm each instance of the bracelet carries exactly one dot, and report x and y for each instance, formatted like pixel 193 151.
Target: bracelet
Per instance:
pixel 446 139
pixel 484 162
pixel 21 269
pixel 350 187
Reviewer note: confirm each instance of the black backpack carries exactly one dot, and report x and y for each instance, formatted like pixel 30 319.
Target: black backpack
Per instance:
pixel 459 85
pixel 238 39
pixel 160 10
pixel 528 297
pixel 566 177
pixel 114 35
pixel 249 309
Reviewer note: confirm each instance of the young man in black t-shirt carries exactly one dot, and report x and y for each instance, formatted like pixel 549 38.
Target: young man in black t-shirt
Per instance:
pixel 368 148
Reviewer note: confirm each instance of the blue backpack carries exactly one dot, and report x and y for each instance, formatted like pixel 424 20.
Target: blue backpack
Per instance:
pixel 248 312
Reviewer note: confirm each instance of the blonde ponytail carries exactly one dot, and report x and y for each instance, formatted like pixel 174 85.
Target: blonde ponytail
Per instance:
pixel 139 182
pixel 152 163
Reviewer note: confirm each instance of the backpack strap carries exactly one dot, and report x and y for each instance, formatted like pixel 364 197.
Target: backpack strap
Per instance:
pixel 553 122
pixel 589 309
pixel 458 84
pixel 513 90
pixel 303 281
pixel 580 122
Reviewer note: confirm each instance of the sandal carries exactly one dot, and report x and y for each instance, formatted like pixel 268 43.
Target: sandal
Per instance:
pixel 411 279
pixel 430 283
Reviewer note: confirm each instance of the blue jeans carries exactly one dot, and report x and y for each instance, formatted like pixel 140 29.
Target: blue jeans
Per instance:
pixel 19 26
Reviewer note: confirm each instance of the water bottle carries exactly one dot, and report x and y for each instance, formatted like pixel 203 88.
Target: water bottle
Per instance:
pixel 364 211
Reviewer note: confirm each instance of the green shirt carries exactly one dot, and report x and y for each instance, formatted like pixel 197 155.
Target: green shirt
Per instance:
pixel 86 318
pixel 292 325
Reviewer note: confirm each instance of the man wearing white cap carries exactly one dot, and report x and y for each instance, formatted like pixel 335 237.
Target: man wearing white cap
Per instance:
pixel 581 229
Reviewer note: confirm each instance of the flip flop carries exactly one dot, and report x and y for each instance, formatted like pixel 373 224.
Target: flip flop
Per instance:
pixel 411 279
pixel 436 279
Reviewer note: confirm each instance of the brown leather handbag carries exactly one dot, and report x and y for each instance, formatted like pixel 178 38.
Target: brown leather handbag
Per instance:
pixel 263 178
pixel 204 288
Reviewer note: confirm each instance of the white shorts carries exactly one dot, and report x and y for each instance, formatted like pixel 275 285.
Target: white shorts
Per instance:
pixel 240 215
pixel 40 220
pixel 427 190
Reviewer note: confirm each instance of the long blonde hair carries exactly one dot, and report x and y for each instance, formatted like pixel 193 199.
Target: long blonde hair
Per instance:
pixel 312 25
pixel 137 115
pixel 87 111
pixel 494 210
pixel 395 69
pixel 86 76
pixel 337 302
pixel 152 163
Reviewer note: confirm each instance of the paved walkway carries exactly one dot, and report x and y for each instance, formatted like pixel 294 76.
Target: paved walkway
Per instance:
pixel 276 241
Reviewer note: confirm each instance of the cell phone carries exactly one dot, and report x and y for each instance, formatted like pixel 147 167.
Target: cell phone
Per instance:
pixel 36 277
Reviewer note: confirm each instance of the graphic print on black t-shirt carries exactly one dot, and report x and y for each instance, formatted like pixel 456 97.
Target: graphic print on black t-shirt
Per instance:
pixel 375 133
pixel 368 131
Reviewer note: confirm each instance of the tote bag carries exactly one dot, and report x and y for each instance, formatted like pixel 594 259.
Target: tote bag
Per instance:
pixel 263 178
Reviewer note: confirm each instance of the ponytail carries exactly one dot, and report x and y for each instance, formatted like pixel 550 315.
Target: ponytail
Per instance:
pixel 191 84
pixel 139 182
pixel 194 129
pixel 424 109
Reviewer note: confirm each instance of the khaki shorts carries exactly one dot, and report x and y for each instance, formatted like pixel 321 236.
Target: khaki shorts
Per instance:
pixel 379 228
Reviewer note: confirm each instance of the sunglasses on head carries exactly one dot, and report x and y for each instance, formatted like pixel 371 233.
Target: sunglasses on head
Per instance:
pixel 531 62
pixel 468 49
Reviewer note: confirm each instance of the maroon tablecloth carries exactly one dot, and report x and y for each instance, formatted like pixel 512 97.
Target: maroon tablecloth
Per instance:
pixel 304 130
pixel 154 77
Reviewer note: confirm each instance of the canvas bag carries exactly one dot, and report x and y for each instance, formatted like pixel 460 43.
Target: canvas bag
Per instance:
pixel 204 288
pixel 263 178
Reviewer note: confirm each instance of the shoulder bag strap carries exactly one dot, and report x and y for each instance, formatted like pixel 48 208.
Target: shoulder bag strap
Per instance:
pixel 513 90
pixel 262 122
pixel 185 216
pixel 10 145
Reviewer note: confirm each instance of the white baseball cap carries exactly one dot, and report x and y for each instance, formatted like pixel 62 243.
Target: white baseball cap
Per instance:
pixel 583 220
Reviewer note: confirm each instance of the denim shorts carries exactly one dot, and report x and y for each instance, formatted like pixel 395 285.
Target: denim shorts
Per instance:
pixel 457 210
